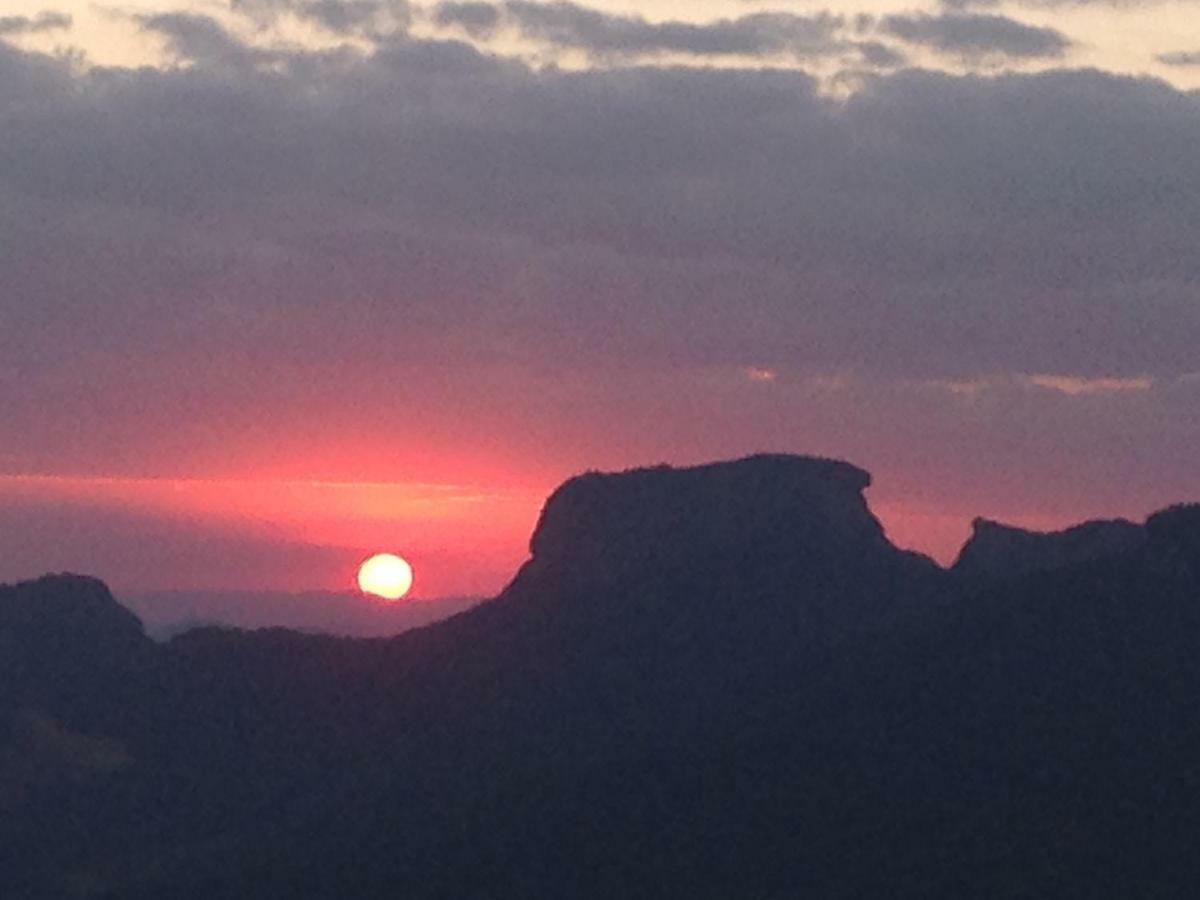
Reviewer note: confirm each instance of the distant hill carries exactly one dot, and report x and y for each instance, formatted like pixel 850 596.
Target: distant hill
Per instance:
pixel 712 682
pixel 169 613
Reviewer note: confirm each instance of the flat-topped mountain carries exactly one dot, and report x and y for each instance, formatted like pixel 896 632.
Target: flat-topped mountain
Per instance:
pixel 791 535
pixel 707 682
pixel 664 515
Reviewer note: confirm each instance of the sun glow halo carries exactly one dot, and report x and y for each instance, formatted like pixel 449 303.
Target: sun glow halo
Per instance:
pixel 385 575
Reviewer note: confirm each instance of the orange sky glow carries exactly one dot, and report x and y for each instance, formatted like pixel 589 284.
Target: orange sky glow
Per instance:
pixel 462 540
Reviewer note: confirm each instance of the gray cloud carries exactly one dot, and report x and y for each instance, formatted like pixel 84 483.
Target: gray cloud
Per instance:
pixel 371 18
pixel 603 34
pixel 43 21
pixel 477 19
pixel 969 5
pixel 961 5
pixel 199 38
pixel 1180 58
pixel 978 36
pixel 363 16
pixel 880 56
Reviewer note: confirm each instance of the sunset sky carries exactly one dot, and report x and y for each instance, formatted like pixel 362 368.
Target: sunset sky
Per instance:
pixel 286 282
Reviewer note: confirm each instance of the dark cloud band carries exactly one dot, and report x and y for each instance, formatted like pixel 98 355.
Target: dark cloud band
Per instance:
pixel 978 36
pixel 42 22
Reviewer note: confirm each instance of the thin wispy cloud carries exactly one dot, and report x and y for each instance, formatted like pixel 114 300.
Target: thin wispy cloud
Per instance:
pixel 370 18
pixel 477 19
pixel 1076 386
pixel 1180 58
pixel 11 26
pixel 978 37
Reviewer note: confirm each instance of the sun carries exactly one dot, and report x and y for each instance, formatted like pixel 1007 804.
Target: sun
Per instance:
pixel 385 575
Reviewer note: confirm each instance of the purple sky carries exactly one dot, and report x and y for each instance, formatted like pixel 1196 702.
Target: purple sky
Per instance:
pixel 437 277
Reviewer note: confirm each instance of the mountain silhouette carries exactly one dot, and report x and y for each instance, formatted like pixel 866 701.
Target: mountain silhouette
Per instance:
pixel 67 645
pixel 1002 551
pixel 719 681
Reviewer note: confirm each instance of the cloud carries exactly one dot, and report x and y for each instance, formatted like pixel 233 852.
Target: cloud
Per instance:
pixel 370 18
pixel 1075 386
pixel 477 19
pixel 1069 385
pixel 880 56
pixel 966 388
pixel 761 375
pixel 1132 5
pixel 32 78
pixel 43 21
pixel 1180 58
pixel 977 37
pixel 968 5
pixel 198 38
pixel 602 34
pixel 358 16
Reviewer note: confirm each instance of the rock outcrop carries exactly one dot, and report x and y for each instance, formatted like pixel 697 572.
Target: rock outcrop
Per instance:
pixel 69 648
pixel 605 516
pixel 790 534
pixel 67 605
pixel 998 551
pixel 1175 532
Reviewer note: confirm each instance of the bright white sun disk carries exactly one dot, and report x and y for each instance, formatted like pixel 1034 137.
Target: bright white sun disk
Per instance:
pixel 385 575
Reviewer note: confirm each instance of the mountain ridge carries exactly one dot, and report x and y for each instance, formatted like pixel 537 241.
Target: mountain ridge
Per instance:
pixel 711 680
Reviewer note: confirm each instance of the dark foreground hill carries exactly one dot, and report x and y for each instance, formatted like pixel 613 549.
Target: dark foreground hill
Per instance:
pixel 711 682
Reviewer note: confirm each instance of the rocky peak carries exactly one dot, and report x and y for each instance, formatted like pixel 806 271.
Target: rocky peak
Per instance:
pixel 711 503
pixel 755 516
pixel 996 550
pixel 64 642
pixel 67 603
pixel 1177 530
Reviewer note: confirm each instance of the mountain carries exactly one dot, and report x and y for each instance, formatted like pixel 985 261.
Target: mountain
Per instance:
pixel 720 681
pixel 1176 533
pixel 1003 551
pixel 170 613
pixel 66 644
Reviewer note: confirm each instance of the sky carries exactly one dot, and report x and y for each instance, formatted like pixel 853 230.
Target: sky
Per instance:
pixel 287 282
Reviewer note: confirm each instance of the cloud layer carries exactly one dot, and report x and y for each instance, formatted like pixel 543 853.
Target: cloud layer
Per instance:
pixel 972 38
pixel 603 34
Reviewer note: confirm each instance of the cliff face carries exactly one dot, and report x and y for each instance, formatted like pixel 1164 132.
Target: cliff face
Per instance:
pixel 997 551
